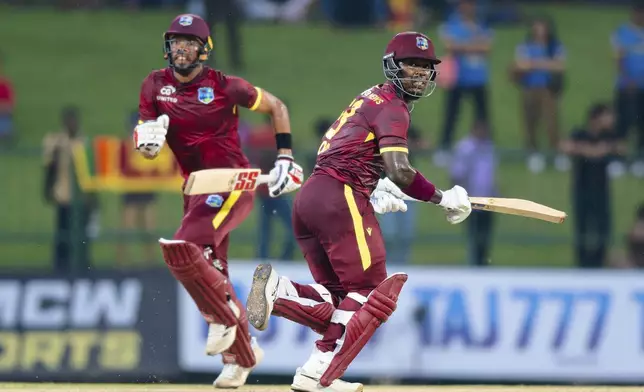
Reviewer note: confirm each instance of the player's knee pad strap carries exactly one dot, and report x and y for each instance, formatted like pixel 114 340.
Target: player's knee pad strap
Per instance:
pixel 380 304
pixel 208 287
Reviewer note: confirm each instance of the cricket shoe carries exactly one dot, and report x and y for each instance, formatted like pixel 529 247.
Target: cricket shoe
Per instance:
pixel 262 297
pixel 233 375
pixel 221 337
pixel 307 378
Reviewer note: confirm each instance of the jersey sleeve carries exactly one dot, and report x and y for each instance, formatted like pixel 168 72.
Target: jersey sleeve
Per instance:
pixel 147 107
pixel 243 93
pixel 390 127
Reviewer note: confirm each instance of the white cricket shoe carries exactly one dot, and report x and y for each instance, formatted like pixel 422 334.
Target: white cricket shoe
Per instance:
pixel 307 378
pixel 262 297
pixel 233 375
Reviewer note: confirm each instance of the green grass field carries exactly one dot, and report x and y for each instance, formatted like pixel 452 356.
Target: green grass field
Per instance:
pixel 97 60
pixel 285 388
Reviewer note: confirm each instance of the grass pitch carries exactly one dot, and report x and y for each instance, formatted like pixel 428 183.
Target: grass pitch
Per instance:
pixel 41 387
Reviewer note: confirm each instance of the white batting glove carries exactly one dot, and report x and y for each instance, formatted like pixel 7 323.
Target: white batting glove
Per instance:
pixel 456 204
pixel 386 185
pixel 384 202
pixel 288 176
pixel 149 137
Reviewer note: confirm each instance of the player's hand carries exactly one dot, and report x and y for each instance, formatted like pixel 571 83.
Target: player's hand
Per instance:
pixel 456 204
pixel 288 176
pixel 386 185
pixel 384 202
pixel 149 137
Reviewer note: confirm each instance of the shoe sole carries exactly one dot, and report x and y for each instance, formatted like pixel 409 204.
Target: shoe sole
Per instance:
pixel 296 389
pixel 257 304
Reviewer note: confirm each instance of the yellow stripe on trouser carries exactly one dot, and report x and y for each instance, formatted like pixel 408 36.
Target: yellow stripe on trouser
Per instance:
pixel 365 255
pixel 225 209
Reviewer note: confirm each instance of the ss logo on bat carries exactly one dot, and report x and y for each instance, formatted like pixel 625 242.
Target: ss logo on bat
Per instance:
pixel 246 181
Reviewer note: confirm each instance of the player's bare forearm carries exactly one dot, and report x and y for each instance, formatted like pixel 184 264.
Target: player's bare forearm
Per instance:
pixel 278 112
pixel 480 47
pixel 551 65
pixel 621 148
pixel 400 172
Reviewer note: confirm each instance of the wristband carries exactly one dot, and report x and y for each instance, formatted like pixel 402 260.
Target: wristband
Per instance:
pixel 283 140
pixel 420 188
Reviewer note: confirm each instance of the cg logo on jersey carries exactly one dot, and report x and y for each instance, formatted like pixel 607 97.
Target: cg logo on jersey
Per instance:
pixel 205 95
pixel 168 90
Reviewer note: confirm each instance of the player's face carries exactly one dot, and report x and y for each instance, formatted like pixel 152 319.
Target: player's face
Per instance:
pixel 540 31
pixel 70 122
pixel 607 120
pixel 417 74
pixel 467 9
pixel 184 50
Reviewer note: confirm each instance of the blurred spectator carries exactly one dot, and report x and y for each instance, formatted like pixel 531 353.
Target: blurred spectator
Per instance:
pixel 402 14
pixel 627 42
pixel 276 10
pixel 469 42
pixel 138 214
pixel 355 13
pixel 60 181
pixel 399 228
pixel 261 151
pixel 592 146
pixel 7 105
pixel 474 168
pixel 228 12
pixel 634 257
pixel 538 69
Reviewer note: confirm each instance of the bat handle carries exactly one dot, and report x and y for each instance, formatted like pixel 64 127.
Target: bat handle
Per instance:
pixel 409 198
pixel 475 206
pixel 265 179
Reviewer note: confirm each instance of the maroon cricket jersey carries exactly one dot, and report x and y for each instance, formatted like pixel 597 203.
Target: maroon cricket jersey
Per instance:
pixel 375 122
pixel 203 116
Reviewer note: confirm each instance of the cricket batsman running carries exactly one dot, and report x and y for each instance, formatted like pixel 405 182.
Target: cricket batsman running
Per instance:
pixel 335 224
pixel 195 109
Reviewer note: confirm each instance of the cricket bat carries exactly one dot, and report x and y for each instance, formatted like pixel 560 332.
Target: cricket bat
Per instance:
pixel 224 180
pixel 519 207
pixel 209 181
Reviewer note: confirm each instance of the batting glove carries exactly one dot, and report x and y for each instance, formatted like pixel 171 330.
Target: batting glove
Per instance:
pixel 288 176
pixel 456 204
pixel 384 202
pixel 149 137
pixel 386 185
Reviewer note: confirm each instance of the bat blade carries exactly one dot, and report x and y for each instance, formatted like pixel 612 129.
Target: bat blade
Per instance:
pixel 520 207
pixel 223 181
